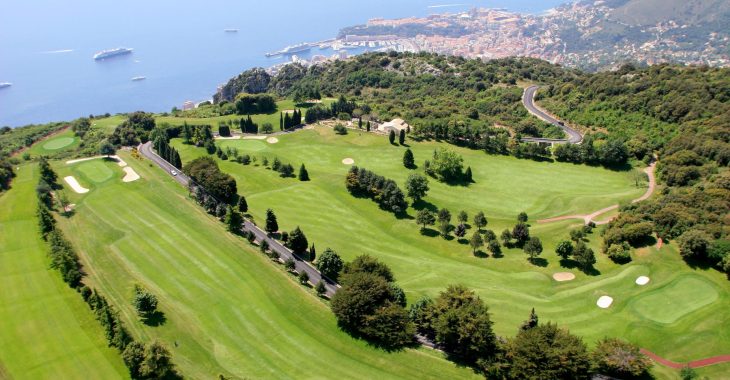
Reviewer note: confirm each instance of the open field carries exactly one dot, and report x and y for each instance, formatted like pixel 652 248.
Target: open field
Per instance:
pixel 504 186
pixel 260 119
pixel 228 309
pixel 65 140
pixel 47 331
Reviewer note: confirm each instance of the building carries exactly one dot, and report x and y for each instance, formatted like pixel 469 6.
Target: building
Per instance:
pixel 395 125
pixel 188 105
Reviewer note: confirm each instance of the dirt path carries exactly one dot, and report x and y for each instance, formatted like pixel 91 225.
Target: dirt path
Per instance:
pixel 693 364
pixel 587 218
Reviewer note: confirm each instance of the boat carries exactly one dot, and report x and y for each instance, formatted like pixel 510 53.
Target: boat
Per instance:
pixel 5 84
pixel 290 50
pixel 231 30
pixel 112 53
pixel 139 78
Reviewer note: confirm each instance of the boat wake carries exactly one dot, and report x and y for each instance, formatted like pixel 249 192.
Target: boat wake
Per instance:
pixel 57 51
pixel 445 5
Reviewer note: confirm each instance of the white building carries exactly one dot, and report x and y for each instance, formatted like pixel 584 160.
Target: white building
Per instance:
pixel 395 125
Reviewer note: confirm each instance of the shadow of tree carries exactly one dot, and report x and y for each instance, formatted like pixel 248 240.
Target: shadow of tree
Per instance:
pixel 568 263
pixel 480 254
pixel 155 319
pixel 538 261
pixel 421 204
pixel 430 232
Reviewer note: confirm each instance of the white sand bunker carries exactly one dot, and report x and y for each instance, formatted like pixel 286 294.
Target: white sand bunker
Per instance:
pixel 71 181
pixel 604 302
pixel 348 161
pixel 116 158
pixel 272 140
pixel 254 137
pixel 563 276
pixel 227 137
pixel 130 175
pixel 642 280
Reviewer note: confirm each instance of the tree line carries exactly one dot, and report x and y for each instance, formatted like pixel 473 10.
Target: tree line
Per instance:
pixel 287 121
pixel 205 172
pixel 384 191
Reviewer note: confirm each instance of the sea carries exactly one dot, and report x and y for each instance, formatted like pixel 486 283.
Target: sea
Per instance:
pixel 46 47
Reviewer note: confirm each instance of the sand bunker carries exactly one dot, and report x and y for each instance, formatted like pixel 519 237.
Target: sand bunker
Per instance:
pixel 254 137
pixel 642 280
pixel 130 175
pixel 118 159
pixel 227 137
pixel 563 276
pixel 71 181
pixel 272 140
pixel 604 302
pixel 348 161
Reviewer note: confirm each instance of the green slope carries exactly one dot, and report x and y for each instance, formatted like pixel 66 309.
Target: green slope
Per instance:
pixel 47 331
pixel 228 309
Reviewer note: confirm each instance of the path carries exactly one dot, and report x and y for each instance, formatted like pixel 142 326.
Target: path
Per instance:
pixel 528 101
pixel 587 218
pixel 300 265
pixel 693 364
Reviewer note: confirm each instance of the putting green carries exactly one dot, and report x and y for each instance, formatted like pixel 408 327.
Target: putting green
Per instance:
pixel 96 171
pixel 58 143
pixel 672 302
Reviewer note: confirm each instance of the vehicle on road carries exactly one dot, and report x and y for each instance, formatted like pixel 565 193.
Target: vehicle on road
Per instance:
pixel 173 172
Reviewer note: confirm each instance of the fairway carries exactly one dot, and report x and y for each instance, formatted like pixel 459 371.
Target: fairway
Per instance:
pixel 228 309
pixel 96 170
pixel 504 186
pixel 47 331
pixel 672 302
pixel 58 143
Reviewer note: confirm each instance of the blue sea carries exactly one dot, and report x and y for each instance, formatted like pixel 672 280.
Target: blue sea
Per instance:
pixel 46 47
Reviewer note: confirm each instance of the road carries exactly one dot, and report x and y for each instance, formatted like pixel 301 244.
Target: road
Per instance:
pixel 300 265
pixel 528 100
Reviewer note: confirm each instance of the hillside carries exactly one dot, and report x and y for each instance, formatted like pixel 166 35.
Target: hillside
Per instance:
pixel 692 13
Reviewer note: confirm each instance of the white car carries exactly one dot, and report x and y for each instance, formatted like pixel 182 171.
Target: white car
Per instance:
pixel 173 172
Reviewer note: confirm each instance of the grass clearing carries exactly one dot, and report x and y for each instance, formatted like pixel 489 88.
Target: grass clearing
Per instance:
pixel 228 309
pixel 47 330
pixel 504 186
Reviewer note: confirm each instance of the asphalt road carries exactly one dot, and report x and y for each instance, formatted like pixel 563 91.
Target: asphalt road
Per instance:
pixel 285 254
pixel 528 100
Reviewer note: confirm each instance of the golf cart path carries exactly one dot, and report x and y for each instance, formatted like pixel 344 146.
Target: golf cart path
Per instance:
pixel 587 218
pixel 693 364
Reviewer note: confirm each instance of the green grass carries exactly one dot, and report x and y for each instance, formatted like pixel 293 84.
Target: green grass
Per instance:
pixel 58 143
pixel 671 302
pixel 228 308
pixel 504 186
pixel 96 170
pixel 47 331
pixel 272 118
pixel 61 142
pixel 108 124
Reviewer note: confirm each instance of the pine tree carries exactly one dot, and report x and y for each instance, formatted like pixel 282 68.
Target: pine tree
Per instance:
pixel 271 223
pixel 359 123
pixel 242 204
pixel 287 121
pixel 367 126
pixel 402 137
pixel 530 323
pixel 312 253
pixel 281 121
pixel 303 174
pixel 391 137
pixel 467 174
pixel 408 159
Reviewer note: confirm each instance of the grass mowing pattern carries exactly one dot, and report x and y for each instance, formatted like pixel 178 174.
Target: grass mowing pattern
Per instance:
pixel 229 309
pixel 47 330
pixel 504 186
pixel 96 171
pixel 672 302
pixel 58 143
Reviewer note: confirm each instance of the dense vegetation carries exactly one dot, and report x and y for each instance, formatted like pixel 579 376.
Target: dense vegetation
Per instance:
pixel 205 172
pixel 384 191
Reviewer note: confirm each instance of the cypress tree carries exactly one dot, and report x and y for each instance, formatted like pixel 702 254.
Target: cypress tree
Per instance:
pixel 312 253
pixel 281 121
pixel 287 121
pixel 359 122
pixel 391 137
pixel 303 174
pixel 408 159
pixel 367 126
pixel 467 174
pixel 402 137
pixel 242 204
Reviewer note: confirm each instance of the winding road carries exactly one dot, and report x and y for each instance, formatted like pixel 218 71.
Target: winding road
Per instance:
pixel 284 253
pixel 528 100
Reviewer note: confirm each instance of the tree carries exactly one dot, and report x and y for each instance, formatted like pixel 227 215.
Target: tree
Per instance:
pixel 480 221
pixel 367 126
pixel 242 204
pixel 446 164
pixel 271 223
pixel 463 217
pixel 391 137
pixel 402 137
pixel 444 218
pixel 584 256
pixel 416 187
pixel 106 148
pixel 276 164
pixel 133 356
pixel 688 373
pixel 531 322
pixel 577 234
pixel 425 218
pixel 467 175
pixel 289 264
pixel 303 277
pixel 506 237
pixel 522 217
pixel 694 244
pixel 547 352
pixel 521 232
pixel 564 249
pixel 312 253
pixel 533 247
pixel 368 264
pixel 408 159
pixel 460 230
pixel 157 363
pixel 320 288
pixel 618 358
pixel 286 171
pixel 234 220
pixel 303 174
pixel 330 264
pixel 298 241
pixel 46 172
pixel 264 246
pixel 476 241
pixel 145 303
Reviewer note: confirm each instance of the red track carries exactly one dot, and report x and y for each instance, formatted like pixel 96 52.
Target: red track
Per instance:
pixel 693 364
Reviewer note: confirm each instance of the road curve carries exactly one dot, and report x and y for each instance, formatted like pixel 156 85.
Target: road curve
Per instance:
pixel 528 101
pixel 300 265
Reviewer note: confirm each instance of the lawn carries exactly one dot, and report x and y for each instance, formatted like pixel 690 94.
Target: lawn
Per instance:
pixel 425 265
pixel 272 118
pixel 63 141
pixel 228 309
pixel 47 330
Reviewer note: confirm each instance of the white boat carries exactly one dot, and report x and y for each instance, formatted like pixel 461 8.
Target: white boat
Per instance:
pixel 231 30
pixel 5 84
pixel 139 78
pixel 112 53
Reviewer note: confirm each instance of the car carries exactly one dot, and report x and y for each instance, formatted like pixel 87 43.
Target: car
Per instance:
pixel 173 172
